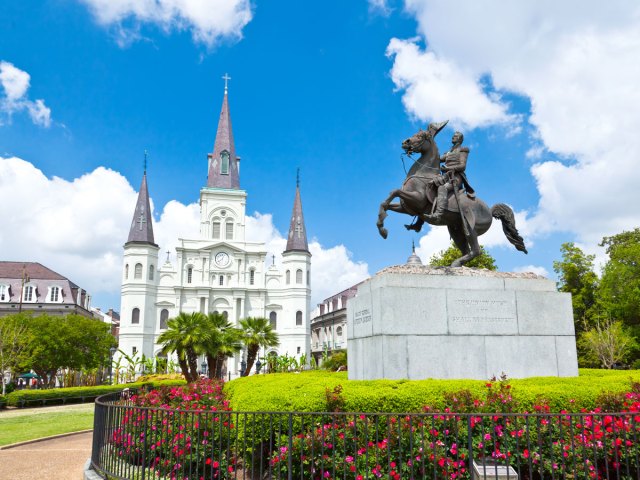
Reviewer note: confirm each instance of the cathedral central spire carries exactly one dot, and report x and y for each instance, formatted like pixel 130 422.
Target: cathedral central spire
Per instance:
pixel 223 162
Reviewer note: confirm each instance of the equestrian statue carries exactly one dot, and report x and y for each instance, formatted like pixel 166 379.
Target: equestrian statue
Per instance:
pixel 441 195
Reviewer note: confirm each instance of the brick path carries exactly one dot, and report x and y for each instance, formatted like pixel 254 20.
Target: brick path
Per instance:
pixel 55 459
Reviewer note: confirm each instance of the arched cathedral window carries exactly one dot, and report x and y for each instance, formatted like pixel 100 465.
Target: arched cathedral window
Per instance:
pixel 273 320
pixel 151 272
pixel 135 316
pixel 288 277
pixel 229 230
pixel 298 276
pixel 164 316
pixel 298 318
pixel 137 271
pixel 216 229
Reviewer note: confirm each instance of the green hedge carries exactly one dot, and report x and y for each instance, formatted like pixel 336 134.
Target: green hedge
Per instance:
pixel 3 402
pixel 306 391
pixel 27 398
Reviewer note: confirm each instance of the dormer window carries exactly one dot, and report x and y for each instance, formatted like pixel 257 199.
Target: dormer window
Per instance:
pixel 224 165
pixel 29 294
pixel 55 294
pixel 4 293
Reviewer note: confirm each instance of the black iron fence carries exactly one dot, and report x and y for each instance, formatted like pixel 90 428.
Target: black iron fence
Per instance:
pixel 131 442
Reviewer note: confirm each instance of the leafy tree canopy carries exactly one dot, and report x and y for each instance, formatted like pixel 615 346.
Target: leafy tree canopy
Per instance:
pixel 577 277
pixel 619 291
pixel 446 257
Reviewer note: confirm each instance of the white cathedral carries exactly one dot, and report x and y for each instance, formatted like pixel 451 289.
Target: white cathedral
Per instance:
pixel 218 272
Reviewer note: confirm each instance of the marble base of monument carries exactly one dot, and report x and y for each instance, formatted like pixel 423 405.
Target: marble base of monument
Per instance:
pixel 418 322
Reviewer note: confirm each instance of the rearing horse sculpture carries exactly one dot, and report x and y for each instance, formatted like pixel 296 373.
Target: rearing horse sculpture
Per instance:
pixel 465 218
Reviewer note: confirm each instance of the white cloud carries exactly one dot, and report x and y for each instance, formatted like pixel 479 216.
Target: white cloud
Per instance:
pixel 209 21
pixel 74 227
pixel 438 89
pixel 78 228
pixel 15 83
pixel 575 61
pixel 380 7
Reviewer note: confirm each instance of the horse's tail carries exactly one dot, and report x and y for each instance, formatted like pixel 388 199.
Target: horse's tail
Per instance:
pixel 504 213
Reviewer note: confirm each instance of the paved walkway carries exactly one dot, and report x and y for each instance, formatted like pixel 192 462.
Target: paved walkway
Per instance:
pixel 56 459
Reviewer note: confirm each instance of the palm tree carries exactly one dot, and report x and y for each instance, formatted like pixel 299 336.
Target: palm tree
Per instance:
pixel 186 335
pixel 225 341
pixel 257 332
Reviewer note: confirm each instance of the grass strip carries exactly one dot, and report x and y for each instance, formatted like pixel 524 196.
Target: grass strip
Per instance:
pixel 25 427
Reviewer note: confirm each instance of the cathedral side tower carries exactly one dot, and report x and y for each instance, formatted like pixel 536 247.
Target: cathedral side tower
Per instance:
pixel 296 263
pixel 139 281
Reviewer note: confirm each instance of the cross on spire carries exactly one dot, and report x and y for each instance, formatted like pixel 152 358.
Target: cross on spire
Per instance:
pixel 273 259
pixel 145 161
pixel 141 220
pixel 168 253
pixel 226 79
pixel 298 177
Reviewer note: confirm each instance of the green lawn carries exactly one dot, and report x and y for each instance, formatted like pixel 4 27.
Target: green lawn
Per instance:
pixel 35 423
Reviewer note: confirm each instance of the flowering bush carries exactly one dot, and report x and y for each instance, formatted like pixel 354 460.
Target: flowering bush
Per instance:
pixel 190 433
pixel 186 435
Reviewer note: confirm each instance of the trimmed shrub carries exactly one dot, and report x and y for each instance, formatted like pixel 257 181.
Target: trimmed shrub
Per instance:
pixel 55 396
pixel 306 391
pixel 3 402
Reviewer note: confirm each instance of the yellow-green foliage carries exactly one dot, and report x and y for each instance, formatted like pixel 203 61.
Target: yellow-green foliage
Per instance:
pixel 306 391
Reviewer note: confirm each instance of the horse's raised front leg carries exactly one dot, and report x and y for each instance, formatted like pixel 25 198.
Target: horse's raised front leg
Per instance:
pixel 411 197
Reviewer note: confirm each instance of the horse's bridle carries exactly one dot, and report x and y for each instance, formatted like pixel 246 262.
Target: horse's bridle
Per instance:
pixel 425 136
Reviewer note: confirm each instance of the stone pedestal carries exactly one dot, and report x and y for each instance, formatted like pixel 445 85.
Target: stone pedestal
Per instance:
pixel 418 322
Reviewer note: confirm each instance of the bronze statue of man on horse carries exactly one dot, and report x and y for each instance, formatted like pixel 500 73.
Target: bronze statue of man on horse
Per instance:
pixel 442 195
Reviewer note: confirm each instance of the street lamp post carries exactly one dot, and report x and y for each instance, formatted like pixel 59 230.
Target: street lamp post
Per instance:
pixel 204 368
pixel 243 366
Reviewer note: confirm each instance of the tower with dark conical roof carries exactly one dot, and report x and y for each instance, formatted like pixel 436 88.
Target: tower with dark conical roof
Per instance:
pixel 224 171
pixel 296 261
pixel 139 280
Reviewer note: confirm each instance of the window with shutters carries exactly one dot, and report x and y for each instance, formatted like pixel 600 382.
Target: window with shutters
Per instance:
pixel 229 230
pixel 298 276
pixel 135 316
pixel 151 272
pixel 137 271
pixel 216 229
pixel 252 276
pixel 189 274
pixel 221 280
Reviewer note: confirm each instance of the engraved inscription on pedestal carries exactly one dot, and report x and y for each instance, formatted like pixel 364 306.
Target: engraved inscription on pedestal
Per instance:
pixel 481 312
pixel 362 325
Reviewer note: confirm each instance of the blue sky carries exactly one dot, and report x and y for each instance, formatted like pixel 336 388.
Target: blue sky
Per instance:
pixel 330 87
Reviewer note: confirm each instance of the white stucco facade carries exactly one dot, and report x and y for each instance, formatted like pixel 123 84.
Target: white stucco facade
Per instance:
pixel 218 271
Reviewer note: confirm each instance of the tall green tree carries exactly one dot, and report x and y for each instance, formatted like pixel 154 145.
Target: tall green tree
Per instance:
pixel 257 333
pixel 70 342
pixel 186 335
pixel 577 277
pixel 619 291
pixel 446 257
pixel 225 341
pixel 12 344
